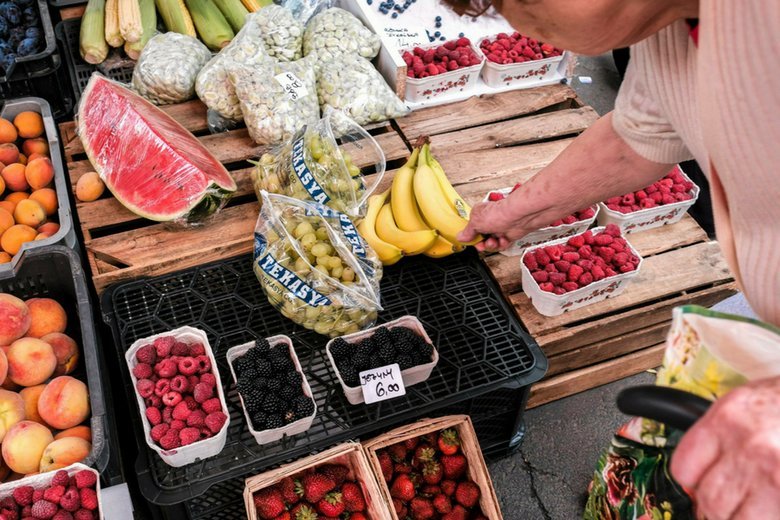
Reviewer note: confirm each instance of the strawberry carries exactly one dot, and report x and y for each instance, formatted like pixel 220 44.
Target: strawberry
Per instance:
pixel 430 490
pixel 400 508
pixel 386 463
pixel 448 487
pixel 449 442
pixel 431 438
pixel 337 472
pixel 454 466
pixel 458 513
pixel 421 509
pixel 495 196
pixel 442 504
pixel 424 453
pixel 398 452
pixel 467 494
pixel 332 504
pixel 432 472
pixel 353 497
pixel 402 488
pixel 268 503
pixel 357 516
pixel 412 443
pixel 314 487
pixel 303 512
pixel 284 516
pixel 403 467
pixel 287 489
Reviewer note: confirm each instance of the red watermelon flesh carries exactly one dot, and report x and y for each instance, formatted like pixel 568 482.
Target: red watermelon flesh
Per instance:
pixel 153 165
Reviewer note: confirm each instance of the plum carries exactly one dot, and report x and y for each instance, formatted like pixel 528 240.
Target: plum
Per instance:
pixel 15 37
pixel 6 62
pixel 32 32
pixel 27 47
pixel 30 16
pixel 4 28
pixel 11 13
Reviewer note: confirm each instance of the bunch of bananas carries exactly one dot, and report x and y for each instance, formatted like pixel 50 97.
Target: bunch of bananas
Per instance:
pixel 423 215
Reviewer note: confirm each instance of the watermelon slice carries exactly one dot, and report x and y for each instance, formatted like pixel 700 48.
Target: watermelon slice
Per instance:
pixel 152 164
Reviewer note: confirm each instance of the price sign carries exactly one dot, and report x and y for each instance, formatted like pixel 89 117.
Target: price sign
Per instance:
pixel 406 36
pixel 380 384
pixel 292 85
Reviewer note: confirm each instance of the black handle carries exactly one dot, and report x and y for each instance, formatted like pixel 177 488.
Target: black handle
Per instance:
pixel 670 406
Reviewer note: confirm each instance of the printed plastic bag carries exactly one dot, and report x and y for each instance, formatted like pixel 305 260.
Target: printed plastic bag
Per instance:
pixel 276 98
pixel 322 163
pixel 314 267
pixel 352 84
pixel 167 68
pixel 281 32
pixel 334 32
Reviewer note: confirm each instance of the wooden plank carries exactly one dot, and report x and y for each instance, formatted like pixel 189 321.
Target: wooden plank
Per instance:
pixel 661 276
pixel 571 383
pixel 477 111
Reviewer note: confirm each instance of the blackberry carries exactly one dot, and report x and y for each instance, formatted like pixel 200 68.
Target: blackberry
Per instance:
pixel 365 347
pixel 350 375
pixel 304 406
pixel 427 351
pixel 262 346
pixel 261 383
pixel 376 361
pixel 253 401
pixel 405 361
pixel 271 404
pixel 293 379
pixel 250 373
pixel 361 361
pixel 255 355
pixel 405 339
pixel 340 349
pixel 264 368
pixel 282 364
pixel 245 386
pixel 274 385
pixel 289 416
pixel 418 358
pixel 259 420
pixel 288 393
pixel 274 421
pixel 240 364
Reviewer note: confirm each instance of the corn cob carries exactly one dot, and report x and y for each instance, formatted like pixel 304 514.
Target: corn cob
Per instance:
pixel 130 20
pixel 255 5
pixel 176 16
pixel 113 36
pixel 92 40
pixel 212 27
pixel 233 11
pixel 149 22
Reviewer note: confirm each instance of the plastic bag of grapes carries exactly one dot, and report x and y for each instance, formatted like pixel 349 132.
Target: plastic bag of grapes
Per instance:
pixel 314 267
pixel 335 163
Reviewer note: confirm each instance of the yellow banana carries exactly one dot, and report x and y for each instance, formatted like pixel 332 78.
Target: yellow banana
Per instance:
pixel 405 210
pixel 387 253
pixel 410 242
pixel 435 209
pixel 453 197
pixel 441 247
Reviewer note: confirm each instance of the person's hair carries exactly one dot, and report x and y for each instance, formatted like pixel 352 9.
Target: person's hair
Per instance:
pixel 472 7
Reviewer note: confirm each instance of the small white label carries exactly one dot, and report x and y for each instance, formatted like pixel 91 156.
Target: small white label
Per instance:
pixel 380 384
pixel 291 84
pixel 407 36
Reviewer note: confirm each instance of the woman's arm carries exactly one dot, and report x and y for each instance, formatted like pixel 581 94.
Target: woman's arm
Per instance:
pixel 596 166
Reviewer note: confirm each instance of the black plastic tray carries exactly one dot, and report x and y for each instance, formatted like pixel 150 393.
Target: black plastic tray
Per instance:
pixel 41 62
pixel 55 272
pixel 481 344
pixel 65 3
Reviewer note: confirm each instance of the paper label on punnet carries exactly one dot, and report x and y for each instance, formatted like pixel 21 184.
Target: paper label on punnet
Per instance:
pixel 381 384
pixel 292 85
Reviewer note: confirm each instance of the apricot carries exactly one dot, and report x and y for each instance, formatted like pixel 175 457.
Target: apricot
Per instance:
pixel 66 350
pixel 39 173
pixel 46 316
pixel 83 432
pixel 8 384
pixel 31 362
pixel 64 452
pixel 37 145
pixel 34 156
pixel 14 319
pixel 4 257
pixel 14 178
pixel 15 236
pixel 7 132
pixel 2 182
pixel 22 159
pixel 41 236
pixel 6 220
pixel 30 213
pixel 47 198
pixel 29 124
pixel 16 196
pixel 9 153
pixel 30 397
pixel 3 366
pixel 50 228
pixel 8 205
pixel 24 445
pixel 89 187
pixel 11 411
pixel 64 403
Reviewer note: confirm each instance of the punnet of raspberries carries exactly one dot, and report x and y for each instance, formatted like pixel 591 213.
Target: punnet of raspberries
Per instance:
pixel 452 55
pixel 672 188
pixel 177 382
pixel 428 478
pixel 582 260
pixel 583 214
pixel 65 498
pixel 325 491
pixel 516 48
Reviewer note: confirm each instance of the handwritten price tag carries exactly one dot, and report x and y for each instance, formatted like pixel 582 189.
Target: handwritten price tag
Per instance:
pixel 380 384
pixel 292 85
pixel 406 36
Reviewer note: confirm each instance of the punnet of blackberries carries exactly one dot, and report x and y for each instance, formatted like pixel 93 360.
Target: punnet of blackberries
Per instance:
pixel 271 387
pixel 385 347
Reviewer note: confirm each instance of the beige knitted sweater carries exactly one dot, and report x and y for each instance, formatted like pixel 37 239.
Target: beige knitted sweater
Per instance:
pixel 720 104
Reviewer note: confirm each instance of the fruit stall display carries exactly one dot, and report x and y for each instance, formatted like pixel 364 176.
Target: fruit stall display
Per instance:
pixel 26 37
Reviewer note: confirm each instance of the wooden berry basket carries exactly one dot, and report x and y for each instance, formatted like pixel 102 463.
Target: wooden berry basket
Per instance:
pixel 349 454
pixel 477 470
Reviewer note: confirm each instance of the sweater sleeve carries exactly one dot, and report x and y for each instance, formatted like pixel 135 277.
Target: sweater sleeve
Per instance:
pixel 639 119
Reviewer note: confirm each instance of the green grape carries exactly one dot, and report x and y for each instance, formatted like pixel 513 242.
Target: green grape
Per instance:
pixel 303 228
pixel 308 240
pixel 335 272
pixel 320 249
pixel 348 275
pixel 322 328
pixel 334 262
pixel 312 313
pixel 301 267
pixel 321 268
pixel 324 260
pixel 321 233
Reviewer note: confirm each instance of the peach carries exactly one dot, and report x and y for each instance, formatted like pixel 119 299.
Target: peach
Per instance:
pixel 11 411
pixel 3 366
pixel 7 135
pixel 49 228
pixel 4 257
pixel 46 316
pixel 15 236
pixel 8 384
pixel 30 395
pixel 64 452
pixel 29 124
pixel 64 403
pixel 47 198
pixel 31 362
pixel 8 205
pixel 6 220
pixel 39 173
pixel 33 146
pixel 9 154
pixel 66 350
pixel 30 213
pixel 14 318
pixel 14 178
pixel 83 432
pixel 24 445
pixel 89 187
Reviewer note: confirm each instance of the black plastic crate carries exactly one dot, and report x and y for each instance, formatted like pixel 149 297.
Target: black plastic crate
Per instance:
pixel 65 3
pixel 51 84
pixel 55 272
pixel 41 62
pixel 481 344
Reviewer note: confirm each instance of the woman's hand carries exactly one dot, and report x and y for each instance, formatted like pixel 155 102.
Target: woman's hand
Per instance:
pixel 499 222
pixel 730 459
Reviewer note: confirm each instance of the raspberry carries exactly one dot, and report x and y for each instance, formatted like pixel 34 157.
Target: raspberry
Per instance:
pixel 43 509
pixel 23 495
pixel 576 241
pixel 85 478
pixel 164 345
pixel 530 262
pixel 145 388
pixel 162 387
pixel 165 368
pixel 625 268
pixel 197 349
pixel 610 272
pixel 656 197
pixel 454 65
pixel 621 258
pixel 142 371
pixel 83 514
pixel 202 392
pixel 171 398
pixel 418 69
pixel 167 415
pixel 612 230
pixel 181 411
pixel 180 349
pixel 569 286
pixel 88 499
pixel 574 273
pixel 588 236
pixel 54 494
pixel 571 257
pixel 178 424
pixel 196 418
pixel 607 253
pixel 603 239
pixel 37 495
pixel 569 219
pixel 550 268
pixel 192 404
pixel 464 61
pixel 8 503
pixel 585 279
pixel 554 252
pixel 431 69
pixel 26 512
pixel 153 401
pixel 154 416
pixel 214 421
pixel 212 405
pixel 146 354
pixel 559 290
pixel 598 273
pixel 9 514
pixel 557 278
pixel 542 258
pixel 493 57
pixel 63 515
pixel 585 214
pixel 189 435
pixel 204 364
pixel 619 245
pixel 540 276
pixel 170 440
pixel 209 379
pixel 179 384
pixel 546 287
pixel 193 380
pixel 562 266
pixel 463 42
pixel 585 252
pixel 158 431
pixel 429 56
